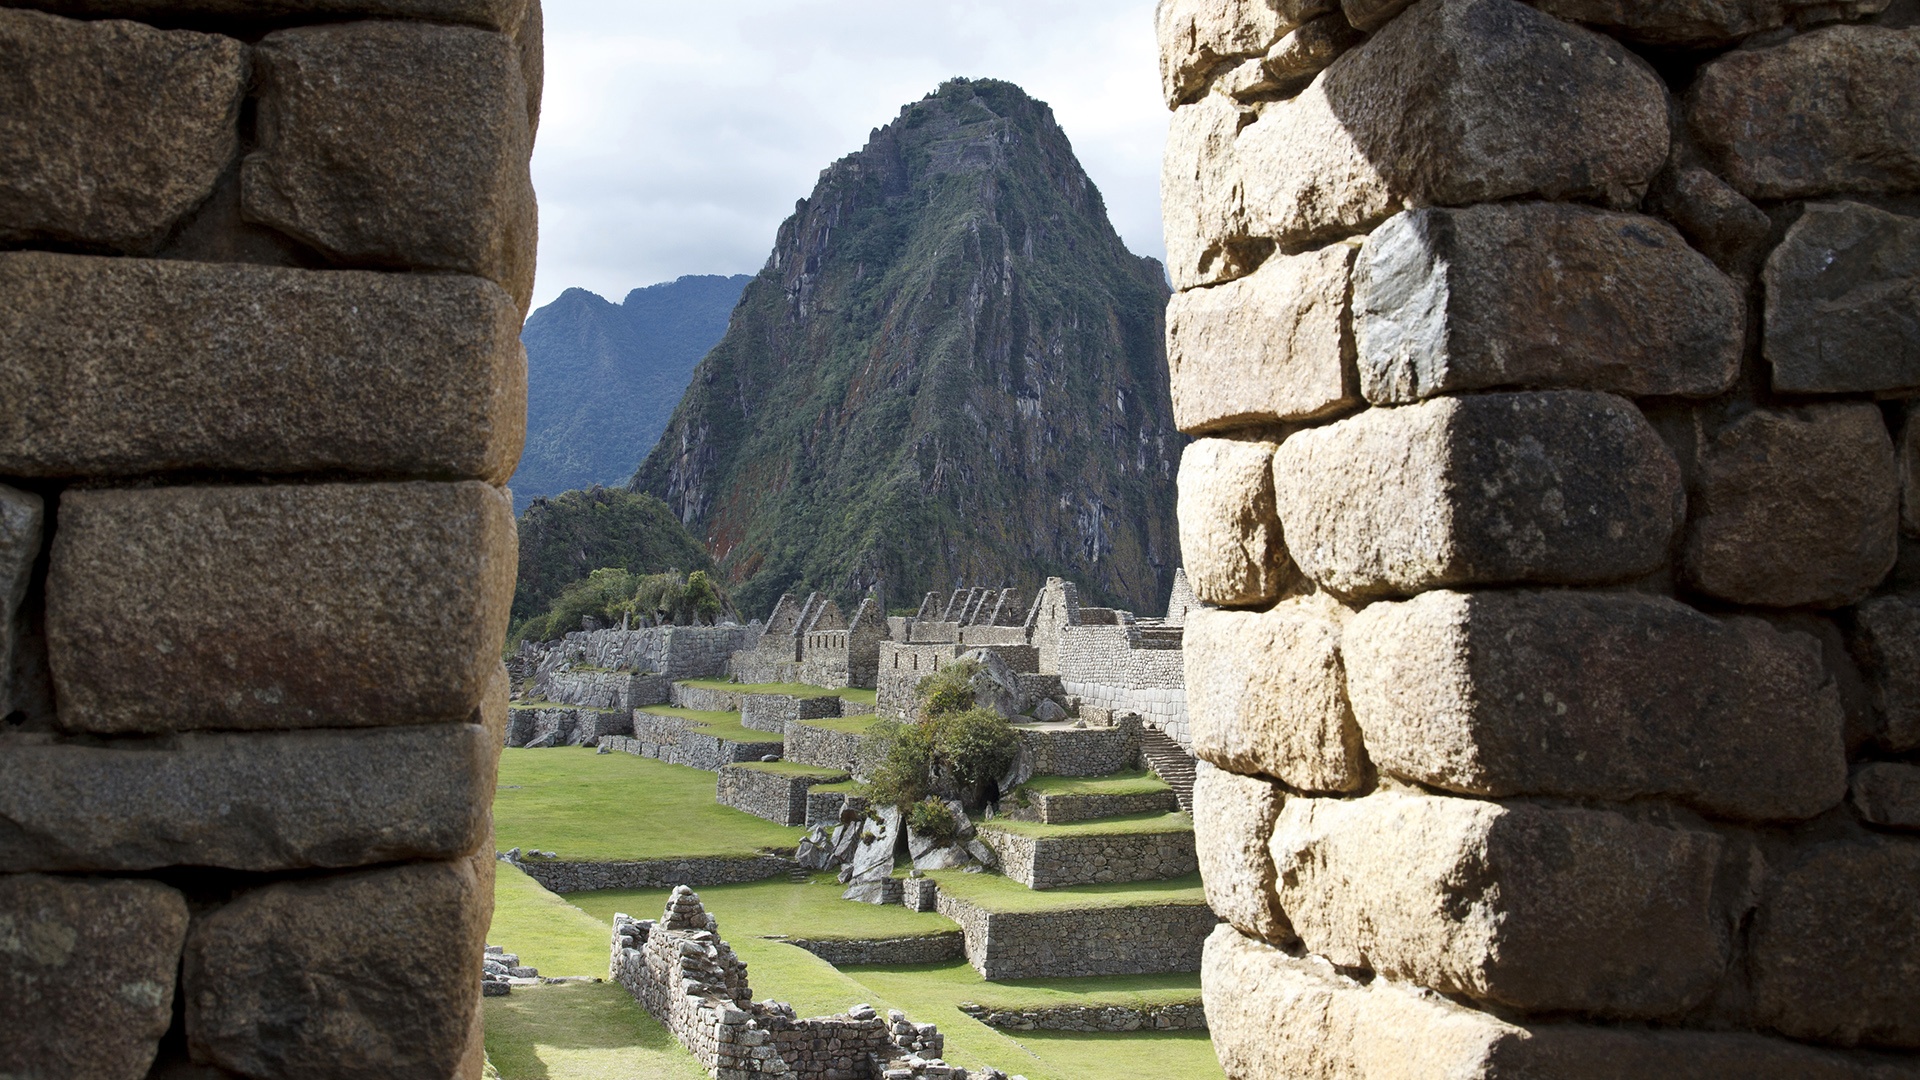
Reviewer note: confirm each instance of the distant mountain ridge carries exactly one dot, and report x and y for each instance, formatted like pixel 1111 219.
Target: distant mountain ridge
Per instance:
pixel 950 370
pixel 603 378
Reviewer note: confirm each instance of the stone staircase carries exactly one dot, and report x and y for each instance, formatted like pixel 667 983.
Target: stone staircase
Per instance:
pixel 1171 763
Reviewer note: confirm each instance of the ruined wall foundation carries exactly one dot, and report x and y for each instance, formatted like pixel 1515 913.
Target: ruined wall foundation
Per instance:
pixel 1553 513
pixel 262 274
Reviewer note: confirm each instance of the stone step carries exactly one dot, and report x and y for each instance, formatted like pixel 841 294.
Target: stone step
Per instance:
pixel 1170 762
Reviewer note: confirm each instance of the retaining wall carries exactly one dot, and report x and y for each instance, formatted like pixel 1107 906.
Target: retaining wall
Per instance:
pixel 1093 941
pixel 928 949
pixel 824 747
pixel 704 699
pixel 569 876
pixel 677 741
pixel 1054 862
pixel 1179 1016
pixel 541 726
pixel 780 798
pixel 621 690
pixel 1088 751
pixel 1051 809
pixel 774 712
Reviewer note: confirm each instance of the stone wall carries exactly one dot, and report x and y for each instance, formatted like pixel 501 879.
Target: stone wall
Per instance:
pixel 1064 809
pixel 542 726
pixel 939 948
pixel 570 876
pixel 687 977
pixel 704 699
pixel 671 652
pixel 1176 1016
pixel 773 712
pixel 1059 750
pixel 824 747
pixel 597 689
pixel 1055 862
pixel 1142 940
pixel 261 286
pixel 679 741
pixel 1553 369
pixel 779 797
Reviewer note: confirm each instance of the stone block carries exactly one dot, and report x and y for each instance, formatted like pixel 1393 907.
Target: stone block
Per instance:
pixel 261 801
pixel 1233 819
pixel 1886 643
pixel 1274 346
pixel 21 518
pixel 90 974
pixel 256 369
pixel 1843 302
pixel 1887 794
pixel 1615 696
pixel 367 975
pixel 1541 295
pixel 1795 508
pixel 1456 102
pixel 1703 22
pixel 1563 487
pixel 111 132
pixel 1310 48
pixel 389 144
pixel 1835 947
pixel 1229 529
pixel 1910 472
pixel 1836 110
pixel 1718 220
pixel 1266 694
pixel 1199 37
pixel 1539 909
pixel 491 14
pixel 270 608
pixel 1274 1015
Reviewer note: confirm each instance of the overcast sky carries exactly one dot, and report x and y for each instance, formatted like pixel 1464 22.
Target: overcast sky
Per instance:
pixel 677 135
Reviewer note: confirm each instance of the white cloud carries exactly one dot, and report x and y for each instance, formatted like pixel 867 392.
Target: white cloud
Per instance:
pixel 676 136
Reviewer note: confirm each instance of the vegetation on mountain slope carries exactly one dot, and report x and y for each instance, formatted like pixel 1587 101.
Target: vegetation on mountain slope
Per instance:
pixel 566 538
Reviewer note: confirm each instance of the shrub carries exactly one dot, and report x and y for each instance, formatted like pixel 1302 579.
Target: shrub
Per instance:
pixel 934 820
pixel 948 690
pixel 976 746
pixel 903 767
pixel 955 756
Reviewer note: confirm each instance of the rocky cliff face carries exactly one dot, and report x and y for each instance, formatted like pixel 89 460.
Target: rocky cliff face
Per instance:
pixel 950 369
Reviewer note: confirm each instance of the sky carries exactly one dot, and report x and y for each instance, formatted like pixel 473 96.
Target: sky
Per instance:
pixel 676 136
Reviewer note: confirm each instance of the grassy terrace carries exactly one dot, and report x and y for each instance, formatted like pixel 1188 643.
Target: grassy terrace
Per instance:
pixel 1140 782
pixel 589 806
pixel 1132 825
pixel 996 893
pixel 799 690
pixel 790 768
pixel 724 725
pixel 581 1032
pixel 857 725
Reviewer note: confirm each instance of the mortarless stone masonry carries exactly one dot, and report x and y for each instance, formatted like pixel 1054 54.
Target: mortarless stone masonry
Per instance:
pixel 1568 676
pixel 262 273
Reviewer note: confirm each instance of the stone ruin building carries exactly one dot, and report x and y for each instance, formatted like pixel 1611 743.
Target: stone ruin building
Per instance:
pixel 687 977
pixel 813 643
pixel 263 268
pixel 1553 369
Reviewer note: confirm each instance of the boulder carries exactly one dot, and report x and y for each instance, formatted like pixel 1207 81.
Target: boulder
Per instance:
pixel 1229 527
pixel 1560 487
pixel 996 688
pixel 90 969
pixel 1795 507
pixel 872 862
pixel 1541 295
pixel 815 851
pixel 1843 302
pixel 111 132
pixel 1832 111
pixel 490 14
pixel 1612 696
pixel 1703 22
pixel 1048 711
pixel 1198 37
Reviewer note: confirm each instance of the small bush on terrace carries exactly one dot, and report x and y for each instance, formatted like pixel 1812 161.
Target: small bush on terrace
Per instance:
pixel 955 751
pixel 933 818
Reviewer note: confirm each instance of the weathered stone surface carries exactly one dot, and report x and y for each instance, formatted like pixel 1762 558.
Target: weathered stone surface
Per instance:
pixel 1275 1015
pixel 122 367
pixel 1372 14
pixel 1456 102
pixel 1565 487
pixel 1310 48
pixel 1597 695
pixel 1702 22
pixel 1843 302
pixel 111 132
pixel 1888 794
pixel 1719 221
pixel 1887 645
pixel 397 144
pixel 373 974
pixel 21 517
pixel 256 801
pixel 1837 110
pixel 1266 694
pixel 1535 908
pixel 1273 346
pixel 1229 529
pixel 492 14
pixel 1836 945
pixel 1233 818
pixel 1541 295
pixel 90 973
pixel 255 608
pixel 1199 37
pixel 1910 472
pixel 1794 507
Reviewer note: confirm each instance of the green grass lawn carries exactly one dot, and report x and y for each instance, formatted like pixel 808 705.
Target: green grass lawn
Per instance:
pixel 1132 825
pixel 1139 782
pixel 794 768
pixel 857 725
pixel 725 725
pixel 544 930
pixel 589 806
pixel 775 906
pixel 997 893
pixel 581 1031
pixel 798 690
pixel 863 697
